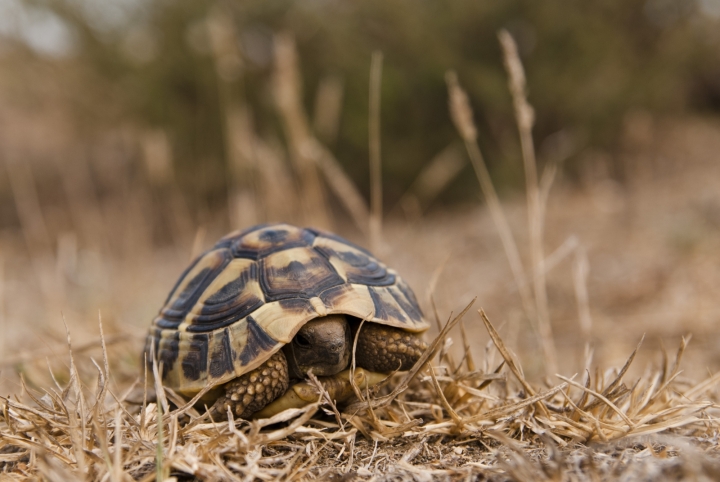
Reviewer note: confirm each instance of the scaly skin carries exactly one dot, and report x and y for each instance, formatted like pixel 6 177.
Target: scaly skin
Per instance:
pixel 252 391
pixel 380 348
pixel 385 349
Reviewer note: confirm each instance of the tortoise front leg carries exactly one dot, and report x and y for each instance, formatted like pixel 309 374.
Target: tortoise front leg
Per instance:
pixel 250 392
pixel 385 349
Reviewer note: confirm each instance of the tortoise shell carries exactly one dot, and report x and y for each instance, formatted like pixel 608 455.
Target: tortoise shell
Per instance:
pixel 242 300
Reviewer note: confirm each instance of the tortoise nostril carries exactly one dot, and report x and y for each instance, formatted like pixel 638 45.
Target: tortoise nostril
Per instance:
pixel 301 341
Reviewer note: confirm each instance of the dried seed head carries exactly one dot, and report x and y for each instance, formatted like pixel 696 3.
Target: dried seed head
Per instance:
pixel 460 110
pixel 517 84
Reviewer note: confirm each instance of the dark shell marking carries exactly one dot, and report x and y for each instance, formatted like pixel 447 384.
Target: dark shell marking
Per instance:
pixel 238 303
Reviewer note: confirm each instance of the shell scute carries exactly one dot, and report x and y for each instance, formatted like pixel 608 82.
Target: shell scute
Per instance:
pixel 256 343
pixel 168 351
pixel 355 265
pixel 270 239
pixel 195 356
pixel 192 286
pixel 227 240
pixel 386 307
pixel 351 299
pixel 282 319
pixel 323 235
pixel 234 294
pixel 408 306
pixel 296 273
pixel 222 355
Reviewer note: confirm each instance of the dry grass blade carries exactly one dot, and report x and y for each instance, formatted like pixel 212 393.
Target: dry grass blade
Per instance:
pixel 104 374
pixel 525 119
pixel 419 365
pixel 157 379
pixel 288 97
pixel 453 414
pixel 506 410
pixel 461 113
pixel 624 369
pixel 328 107
pixel 342 186
pixel 599 396
pixel 702 387
pixel 581 269
pixel 509 360
pixel 470 363
pixel 432 180
pixel 675 369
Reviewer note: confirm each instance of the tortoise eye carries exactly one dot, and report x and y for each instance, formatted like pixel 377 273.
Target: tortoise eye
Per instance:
pixel 301 341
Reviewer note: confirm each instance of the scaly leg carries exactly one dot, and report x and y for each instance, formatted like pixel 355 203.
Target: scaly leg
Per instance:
pixel 250 392
pixel 385 349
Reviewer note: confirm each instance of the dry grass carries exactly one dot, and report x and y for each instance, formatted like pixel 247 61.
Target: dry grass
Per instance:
pixel 456 415
pixel 446 418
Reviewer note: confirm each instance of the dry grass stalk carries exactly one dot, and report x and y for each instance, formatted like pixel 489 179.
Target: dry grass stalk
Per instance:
pixel 288 97
pixel 342 186
pixel 376 198
pixel 328 106
pixel 157 156
pixel 581 269
pixel 276 182
pixel 33 224
pixel 27 203
pixel 461 114
pixel 525 115
pixel 83 203
pixel 307 152
pixel 432 180
pixel 243 202
pixel 509 359
pixel 245 199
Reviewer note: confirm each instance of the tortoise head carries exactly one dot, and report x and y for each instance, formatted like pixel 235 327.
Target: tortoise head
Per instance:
pixel 322 345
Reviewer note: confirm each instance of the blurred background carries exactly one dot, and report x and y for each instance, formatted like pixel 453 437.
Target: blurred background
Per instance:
pixel 134 133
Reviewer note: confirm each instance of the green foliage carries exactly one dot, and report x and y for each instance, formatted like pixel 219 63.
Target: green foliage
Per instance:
pixel 588 63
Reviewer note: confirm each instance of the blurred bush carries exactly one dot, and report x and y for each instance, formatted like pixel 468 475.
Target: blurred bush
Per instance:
pixel 152 63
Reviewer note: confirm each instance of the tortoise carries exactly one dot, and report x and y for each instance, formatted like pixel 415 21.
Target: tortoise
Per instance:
pixel 269 304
